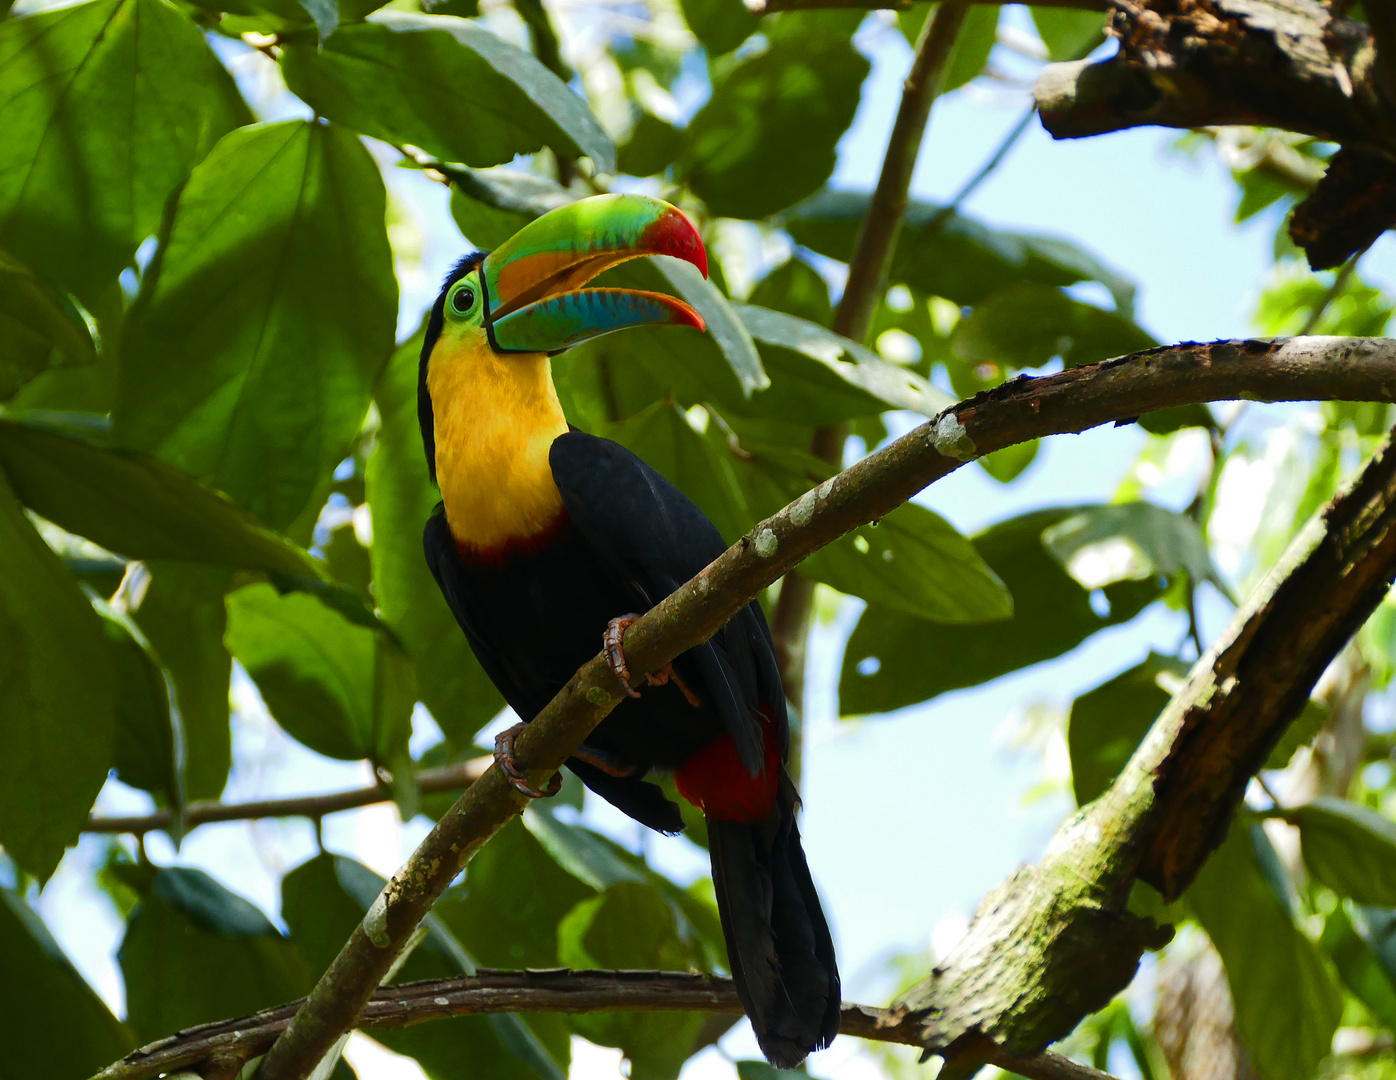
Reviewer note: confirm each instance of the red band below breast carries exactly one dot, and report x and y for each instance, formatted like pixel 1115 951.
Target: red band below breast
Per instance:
pixel 715 780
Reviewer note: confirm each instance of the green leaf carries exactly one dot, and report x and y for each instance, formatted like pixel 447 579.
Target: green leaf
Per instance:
pixel 1026 326
pixel 1287 1006
pixel 400 498
pixel 973 44
pixel 1299 733
pixel 632 926
pixel 663 437
pixel 449 86
pixel 38 330
pixel 491 206
pixel 251 354
pixel 953 256
pixel 893 659
pixel 149 747
pixel 323 900
pixel 719 25
pixel 1350 848
pixel 1359 968
pixel 832 367
pixel 78 194
pixel 1067 33
pixel 52 1024
pixel 514 894
pixel 338 688
pixel 1007 465
pixel 796 288
pixel 180 611
pixel 57 724
pixel 767 136
pixel 135 505
pixel 723 325
pixel 1107 724
pixel 759 1070
pixel 1132 541
pixel 653 143
pixel 194 952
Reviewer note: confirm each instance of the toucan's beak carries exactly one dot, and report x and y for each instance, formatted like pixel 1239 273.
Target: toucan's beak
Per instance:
pixel 533 282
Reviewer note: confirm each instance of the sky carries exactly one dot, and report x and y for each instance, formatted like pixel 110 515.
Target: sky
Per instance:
pixel 909 818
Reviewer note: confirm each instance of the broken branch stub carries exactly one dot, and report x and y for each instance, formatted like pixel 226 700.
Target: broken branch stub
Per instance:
pixel 1057 941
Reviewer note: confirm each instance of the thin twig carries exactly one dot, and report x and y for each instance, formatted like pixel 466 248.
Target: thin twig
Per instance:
pixel 236 1041
pixel 1349 369
pixel 995 160
pixel 429 781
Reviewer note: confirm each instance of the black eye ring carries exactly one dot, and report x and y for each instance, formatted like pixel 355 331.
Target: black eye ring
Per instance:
pixel 463 301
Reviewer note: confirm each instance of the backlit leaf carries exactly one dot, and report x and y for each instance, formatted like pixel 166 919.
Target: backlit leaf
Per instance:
pixel 57 724
pixel 1025 326
pixel 37 329
pixel 252 352
pixel 104 109
pixel 1350 848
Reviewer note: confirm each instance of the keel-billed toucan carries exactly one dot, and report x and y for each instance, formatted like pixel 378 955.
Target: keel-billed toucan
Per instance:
pixel 546 538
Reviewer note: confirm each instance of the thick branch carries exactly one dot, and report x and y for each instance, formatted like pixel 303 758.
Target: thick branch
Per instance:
pixel 1057 941
pixel 1300 369
pixel 236 1041
pixel 429 782
pixel 1286 63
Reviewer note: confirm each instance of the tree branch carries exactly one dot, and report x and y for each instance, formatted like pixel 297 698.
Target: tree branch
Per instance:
pixel 770 7
pixel 429 781
pixel 1354 369
pixel 231 1042
pixel 1058 941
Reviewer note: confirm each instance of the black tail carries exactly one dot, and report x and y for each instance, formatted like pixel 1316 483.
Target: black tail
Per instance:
pixel 778 944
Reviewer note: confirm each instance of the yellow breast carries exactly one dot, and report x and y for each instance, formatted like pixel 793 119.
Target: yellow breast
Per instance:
pixel 495 419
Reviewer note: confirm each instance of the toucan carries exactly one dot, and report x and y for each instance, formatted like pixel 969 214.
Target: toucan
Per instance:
pixel 548 541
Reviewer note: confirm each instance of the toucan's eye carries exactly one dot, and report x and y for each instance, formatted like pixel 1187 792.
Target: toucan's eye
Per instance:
pixel 463 301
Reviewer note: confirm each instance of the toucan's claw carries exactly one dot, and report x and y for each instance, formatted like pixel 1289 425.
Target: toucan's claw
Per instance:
pixel 666 675
pixel 611 645
pixel 504 755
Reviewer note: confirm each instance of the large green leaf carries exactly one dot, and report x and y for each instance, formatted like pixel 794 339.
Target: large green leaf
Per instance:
pixel 340 689
pixel 767 136
pixel 448 86
pixel 57 724
pixel 1026 325
pixel 135 505
pixel 667 442
pixel 1359 968
pixel 1350 848
pixel 181 614
pixel 633 925
pixel 973 44
pixel 252 352
pixel 824 378
pixel 37 329
pixel 1109 722
pixel 653 143
pixel 195 952
pixel 401 498
pixel 952 255
pixel 149 748
pixel 492 205
pixel 893 659
pixel 323 900
pixel 1287 1006
pixel 104 108
pixel 51 1022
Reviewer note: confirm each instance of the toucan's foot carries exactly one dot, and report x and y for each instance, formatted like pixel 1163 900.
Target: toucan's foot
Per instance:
pixel 504 755
pixel 611 645
pixel 666 675
pixel 607 762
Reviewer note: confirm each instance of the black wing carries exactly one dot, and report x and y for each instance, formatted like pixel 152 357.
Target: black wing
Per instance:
pixel 650 536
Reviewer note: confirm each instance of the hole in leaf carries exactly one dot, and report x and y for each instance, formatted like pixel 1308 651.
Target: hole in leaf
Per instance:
pixel 869 665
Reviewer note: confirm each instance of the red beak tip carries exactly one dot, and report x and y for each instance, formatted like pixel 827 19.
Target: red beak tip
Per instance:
pixel 674 234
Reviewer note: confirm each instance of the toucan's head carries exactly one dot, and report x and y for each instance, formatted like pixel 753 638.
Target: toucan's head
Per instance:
pixel 526 300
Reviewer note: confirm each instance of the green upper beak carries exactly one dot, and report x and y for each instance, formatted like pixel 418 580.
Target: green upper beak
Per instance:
pixel 533 283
